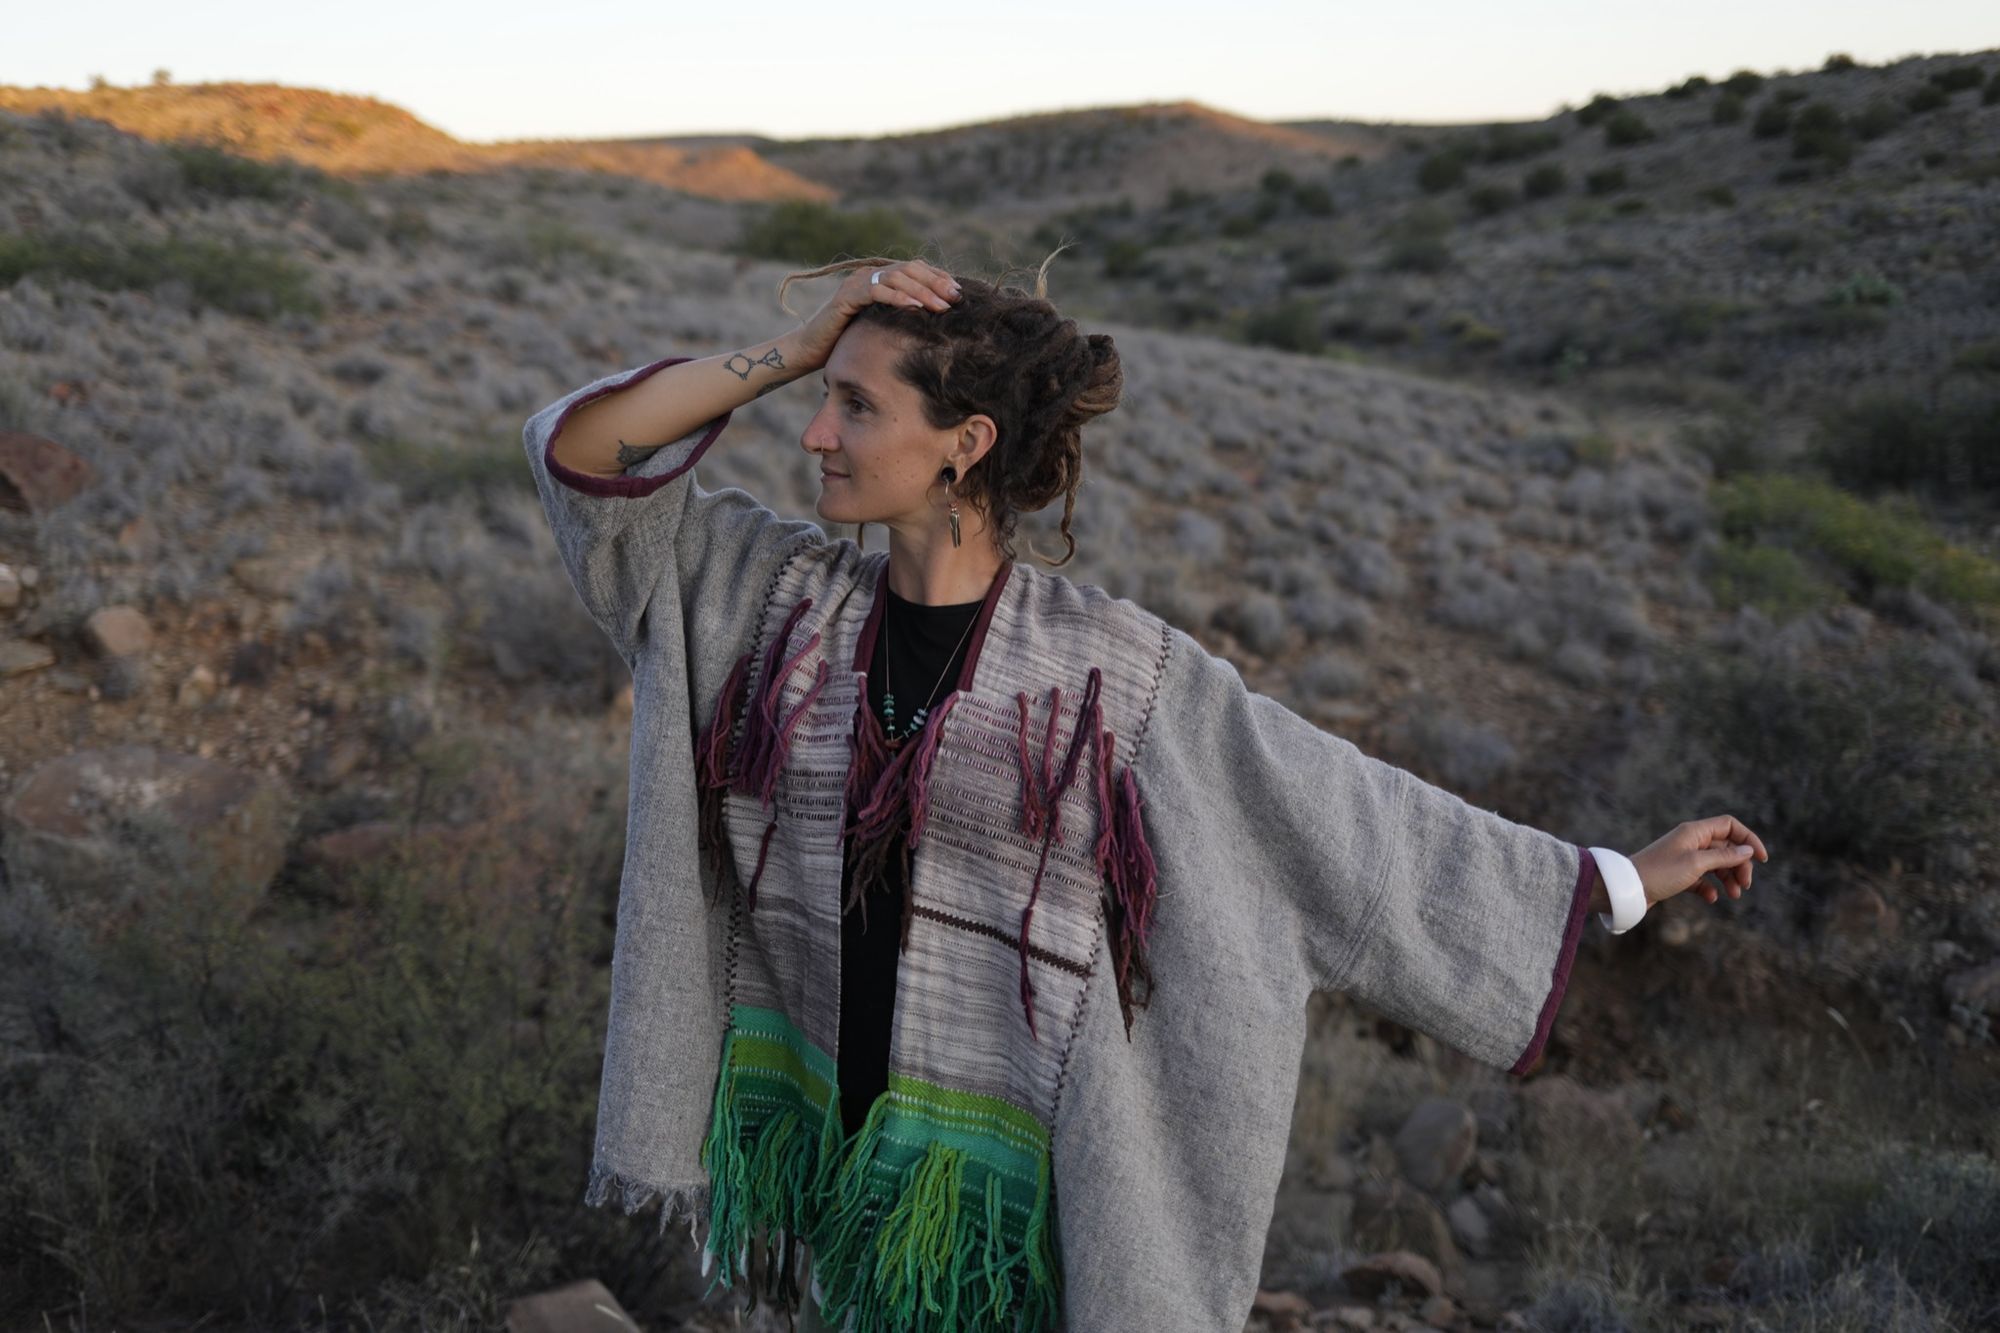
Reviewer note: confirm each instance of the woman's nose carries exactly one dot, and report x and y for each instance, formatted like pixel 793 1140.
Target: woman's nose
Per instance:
pixel 814 440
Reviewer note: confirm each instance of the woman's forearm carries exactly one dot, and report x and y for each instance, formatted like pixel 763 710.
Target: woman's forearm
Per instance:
pixel 611 433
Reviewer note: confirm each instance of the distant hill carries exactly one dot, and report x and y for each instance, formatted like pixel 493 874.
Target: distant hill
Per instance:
pixel 1143 151
pixel 1022 163
pixel 350 134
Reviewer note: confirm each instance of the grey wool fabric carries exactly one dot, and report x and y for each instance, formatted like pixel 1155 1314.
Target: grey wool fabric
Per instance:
pixel 1279 859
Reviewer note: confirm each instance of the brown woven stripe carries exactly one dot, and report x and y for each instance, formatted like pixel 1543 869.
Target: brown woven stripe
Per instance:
pixel 994 932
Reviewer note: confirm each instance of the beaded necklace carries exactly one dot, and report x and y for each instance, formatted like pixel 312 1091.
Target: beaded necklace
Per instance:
pixel 916 723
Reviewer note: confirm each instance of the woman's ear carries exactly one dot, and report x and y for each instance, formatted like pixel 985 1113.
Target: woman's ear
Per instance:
pixel 975 437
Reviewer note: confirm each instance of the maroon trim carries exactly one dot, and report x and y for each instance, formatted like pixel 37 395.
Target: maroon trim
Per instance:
pixel 871 628
pixel 1579 908
pixel 864 647
pixel 979 625
pixel 622 487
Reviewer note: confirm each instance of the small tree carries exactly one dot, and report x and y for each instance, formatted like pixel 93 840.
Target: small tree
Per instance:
pixel 1877 118
pixel 1744 83
pixel 1928 97
pixel 1543 181
pixel 162 77
pixel 1773 119
pixel 1607 180
pixel 1820 131
pixel 1442 170
pixel 1291 325
pixel 1626 128
pixel 1958 78
pixel 1597 108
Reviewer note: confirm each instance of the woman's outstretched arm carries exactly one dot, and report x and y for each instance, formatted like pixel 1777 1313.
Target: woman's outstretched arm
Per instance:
pixel 1360 877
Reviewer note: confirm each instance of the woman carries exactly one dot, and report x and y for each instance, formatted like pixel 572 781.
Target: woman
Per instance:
pixel 969 914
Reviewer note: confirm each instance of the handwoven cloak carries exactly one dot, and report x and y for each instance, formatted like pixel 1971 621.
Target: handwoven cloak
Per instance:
pixel 1128 872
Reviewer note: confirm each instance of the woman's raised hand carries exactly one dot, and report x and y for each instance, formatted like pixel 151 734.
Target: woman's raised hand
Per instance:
pixel 911 282
pixel 1720 846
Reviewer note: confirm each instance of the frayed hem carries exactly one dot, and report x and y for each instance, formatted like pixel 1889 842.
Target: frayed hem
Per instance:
pixel 609 1188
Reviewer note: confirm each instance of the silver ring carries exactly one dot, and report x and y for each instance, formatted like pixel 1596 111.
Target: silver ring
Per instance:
pixel 875 277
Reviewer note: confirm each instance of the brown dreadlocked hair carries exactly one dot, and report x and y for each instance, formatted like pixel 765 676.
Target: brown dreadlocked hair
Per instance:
pixel 1006 352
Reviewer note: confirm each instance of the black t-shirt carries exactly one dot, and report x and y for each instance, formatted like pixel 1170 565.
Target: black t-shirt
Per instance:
pixel 925 647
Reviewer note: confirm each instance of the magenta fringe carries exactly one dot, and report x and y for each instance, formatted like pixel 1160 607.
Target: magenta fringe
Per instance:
pixel 1041 804
pixel 711 766
pixel 888 794
pixel 1131 882
pixel 752 767
pixel 1123 857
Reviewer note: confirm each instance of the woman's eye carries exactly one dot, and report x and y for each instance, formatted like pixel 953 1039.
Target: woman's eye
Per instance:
pixel 858 405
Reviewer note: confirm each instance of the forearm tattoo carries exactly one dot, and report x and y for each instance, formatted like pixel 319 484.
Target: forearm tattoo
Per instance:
pixel 771 358
pixel 628 454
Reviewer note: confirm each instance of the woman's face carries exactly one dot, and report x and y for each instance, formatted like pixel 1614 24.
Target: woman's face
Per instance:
pixel 879 459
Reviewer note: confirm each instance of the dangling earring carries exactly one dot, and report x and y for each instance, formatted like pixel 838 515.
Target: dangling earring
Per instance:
pixel 951 475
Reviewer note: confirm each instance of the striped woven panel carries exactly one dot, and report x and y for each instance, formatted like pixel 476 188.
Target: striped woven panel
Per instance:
pixel 936 1214
pixel 942 1204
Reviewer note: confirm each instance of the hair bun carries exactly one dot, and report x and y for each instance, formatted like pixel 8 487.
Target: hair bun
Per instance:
pixel 1106 382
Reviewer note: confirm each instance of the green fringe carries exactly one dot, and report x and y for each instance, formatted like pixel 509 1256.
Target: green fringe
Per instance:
pixel 773 1173
pixel 910 1239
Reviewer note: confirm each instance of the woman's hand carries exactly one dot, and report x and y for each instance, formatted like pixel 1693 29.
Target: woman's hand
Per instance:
pixel 1720 846
pixel 910 283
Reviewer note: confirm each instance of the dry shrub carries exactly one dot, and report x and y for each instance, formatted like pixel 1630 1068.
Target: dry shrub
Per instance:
pixel 329 1098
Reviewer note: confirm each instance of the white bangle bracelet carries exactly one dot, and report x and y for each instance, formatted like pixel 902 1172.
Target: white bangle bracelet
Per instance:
pixel 1627 890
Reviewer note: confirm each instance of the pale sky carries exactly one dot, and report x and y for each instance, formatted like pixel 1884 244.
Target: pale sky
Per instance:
pixel 609 68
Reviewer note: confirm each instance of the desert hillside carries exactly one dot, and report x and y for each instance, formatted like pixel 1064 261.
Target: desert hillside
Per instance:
pixel 345 134
pixel 1612 470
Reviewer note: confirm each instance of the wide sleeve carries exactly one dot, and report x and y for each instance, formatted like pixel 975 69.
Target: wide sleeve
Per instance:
pixel 1354 875
pixel 623 539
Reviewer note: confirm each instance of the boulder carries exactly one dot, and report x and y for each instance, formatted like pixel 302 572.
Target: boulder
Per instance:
pixel 118 631
pixel 1977 988
pixel 1559 1116
pixel 1393 1215
pixel 1861 915
pixel 1436 1142
pixel 96 827
pixel 37 475
pixel 1371 1277
pixel 1469 1226
pixel 1439 1311
pixel 1281 1309
pixel 581 1307
pixel 19 656
pixel 196 688
pixel 1307 1224
pixel 1494 1110
pixel 1345 1317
